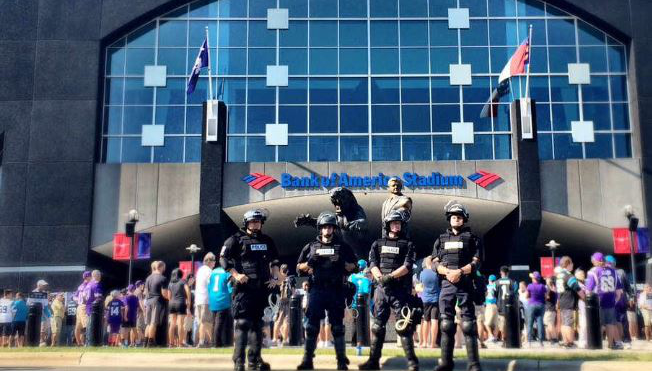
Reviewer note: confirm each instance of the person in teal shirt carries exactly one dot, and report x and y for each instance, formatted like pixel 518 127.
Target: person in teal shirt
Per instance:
pixel 219 300
pixel 361 282
pixel 19 308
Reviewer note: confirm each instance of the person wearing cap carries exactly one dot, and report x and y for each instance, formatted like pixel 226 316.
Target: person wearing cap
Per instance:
pixel 603 281
pixel 251 257
pixel 131 304
pixel 491 308
pixel 81 319
pixel 622 305
pixel 536 295
pixel 396 201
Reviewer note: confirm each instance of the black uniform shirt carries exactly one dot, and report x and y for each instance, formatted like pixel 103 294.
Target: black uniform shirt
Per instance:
pixel 333 270
pixel 263 252
pixel 452 246
pixel 392 246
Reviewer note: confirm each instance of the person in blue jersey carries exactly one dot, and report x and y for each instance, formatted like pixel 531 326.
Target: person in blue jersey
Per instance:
pixel 115 313
pixel 362 287
pixel 430 295
pixel 219 300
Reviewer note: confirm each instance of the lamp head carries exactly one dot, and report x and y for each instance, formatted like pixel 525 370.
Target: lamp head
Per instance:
pixel 553 245
pixel 132 216
pixel 629 211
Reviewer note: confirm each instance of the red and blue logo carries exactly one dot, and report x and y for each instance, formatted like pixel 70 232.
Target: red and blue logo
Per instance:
pixel 484 178
pixel 258 180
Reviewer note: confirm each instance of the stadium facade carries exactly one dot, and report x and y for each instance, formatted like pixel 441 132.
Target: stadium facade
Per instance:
pixel 95 121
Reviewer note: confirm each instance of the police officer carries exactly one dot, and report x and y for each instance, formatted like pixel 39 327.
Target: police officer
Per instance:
pixel 328 261
pixel 391 259
pixel 456 257
pixel 251 258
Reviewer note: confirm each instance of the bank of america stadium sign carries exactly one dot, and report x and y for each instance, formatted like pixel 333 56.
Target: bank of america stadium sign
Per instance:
pixel 411 180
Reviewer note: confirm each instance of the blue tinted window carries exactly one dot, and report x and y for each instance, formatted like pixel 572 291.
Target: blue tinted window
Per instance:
pixel 144 36
pixel 502 147
pixel 476 35
pixel 172 33
pixel 539 88
pixel 385 119
pixel 172 118
pixel 295 92
pixel 295 151
pixel 588 35
pixel 481 149
pixel 561 32
pixel 237 119
pixel 545 146
pixel 500 56
pixel 414 60
pixel 323 119
pixel 565 148
pixel 323 148
pixel 172 151
pixel 539 60
pixel 415 90
pixel 417 148
pixel 444 149
pixel 231 61
pixel 602 147
pixel 621 116
pixel 232 33
pixel 385 90
pixel 113 120
pixel 502 121
pixel 353 9
pixel 197 34
pixel 560 57
pixel 597 91
pixel 599 114
pixel 538 31
pixel 173 59
pixel 353 90
pixel 623 143
pixel 353 61
pixel 259 35
pixel 353 33
pixel 416 119
pixel 323 90
pixel 236 149
pixel 258 8
pixel 562 91
pixel 385 148
pixel 442 58
pixel 323 61
pixel 232 8
pixel 543 117
pixel 384 61
pixel 194 117
pixel 384 33
pixel 259 92
pixel 295 59
pixel 503 32
pixel 616 58
pixel 440 8
pixel 258 117
pixel 413 8
pixel 259 59
pixel 354 149
pixel 443 115
pixel 443 91
pixel 137 59
pixel 136 93
pixel 295 35
pixel 478 92
pixel 477 8
pixel 323 8
pixel 563 114
pixel 441 35
pixel 201 92
pixel 173 93
pixel 115 61
pixel 114 90
pixel 530 8
pixel 618 88
pixel 323 33
pixel 414 33
pixel 472 113
pixel 596 56
pixel 132 151
pixel 295 116
pixel 502 8
pixel 478 58
pixel 383 8
pixel 258 151
pixel 193 149
pixel 298 8
pixel 233 91
pixel 354 119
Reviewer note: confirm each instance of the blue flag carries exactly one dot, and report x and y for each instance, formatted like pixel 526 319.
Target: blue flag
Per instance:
pixel 144 247
pixel 200 62
pixel 643 235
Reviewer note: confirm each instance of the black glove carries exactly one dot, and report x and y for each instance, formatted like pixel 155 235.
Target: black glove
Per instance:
pixel 313 260
pixel 385 279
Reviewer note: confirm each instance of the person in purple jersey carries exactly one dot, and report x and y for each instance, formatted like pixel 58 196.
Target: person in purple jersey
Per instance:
pixel 81 319
pixel 603 281
pixel 92 293
pixel 114 317
pixel 536 294
pixel 129 333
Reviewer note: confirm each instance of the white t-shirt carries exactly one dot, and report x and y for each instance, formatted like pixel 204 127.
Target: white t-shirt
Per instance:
pixel 6 315
pixel 201 285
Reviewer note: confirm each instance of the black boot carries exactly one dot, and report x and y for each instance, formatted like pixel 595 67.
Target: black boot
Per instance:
pixel 472 352
pixel 242 327
pixel 309 352
pixel 254 355
pixel 373 363
pixel 447 346
pixel 408 347
pixel 340 353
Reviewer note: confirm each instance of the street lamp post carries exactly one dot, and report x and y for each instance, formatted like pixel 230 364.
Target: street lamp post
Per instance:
pixel 193 249
pixel 553 245
pixel 633 226
pixel 130 231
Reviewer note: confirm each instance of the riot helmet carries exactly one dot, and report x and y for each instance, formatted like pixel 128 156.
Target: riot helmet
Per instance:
pixel 453 207
pixel 326 218
pixel 395 215
pixel 255 214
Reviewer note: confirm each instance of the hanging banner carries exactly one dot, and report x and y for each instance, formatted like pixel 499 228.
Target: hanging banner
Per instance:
pixel 547 267
pixel 144 247
pixel 185 267
pixel 621 239
pixel 121 244
pixel 643 241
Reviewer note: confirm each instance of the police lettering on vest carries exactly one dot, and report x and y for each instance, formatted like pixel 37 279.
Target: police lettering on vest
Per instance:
pixel 389 254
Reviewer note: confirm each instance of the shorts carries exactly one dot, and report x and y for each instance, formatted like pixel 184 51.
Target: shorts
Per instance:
pixel 500 322
pixel 178 308
pixel 550 318
pixel 55 324
pixel 204 314
pixel 140 322
pixel 114 328
pixel 5 329
pixel 647 317
pixel 479 313
pixel 82 318
pixel 567 317
pixel 608 316
pixel 154 313
pixel 129 324
pixel 491 315
pixel 430 311
pixel 18 328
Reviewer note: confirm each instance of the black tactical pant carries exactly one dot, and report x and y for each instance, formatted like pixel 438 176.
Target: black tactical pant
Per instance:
pixel 247 307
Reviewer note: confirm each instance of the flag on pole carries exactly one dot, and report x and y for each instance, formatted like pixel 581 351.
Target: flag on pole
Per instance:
pixel 144 247
pixel 515 66
pixel 200 62
pixel 121 244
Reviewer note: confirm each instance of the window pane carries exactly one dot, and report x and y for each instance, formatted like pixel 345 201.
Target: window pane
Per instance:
pixel 596 56
pixel 502 8
pixel 354 148
pixel 440 8
pixel 260 93
pixel 502 147
pixel 296 117
pixel 560 57
pixel 322 61
pixel 136 93
pixel 237 120
pixel 539 60
pixel 444 149
pixel 232 33
pixel 417 148
pixel 236 149
pixel 414 33
pixel 353 61
pixel 193 149
pixel 503 32
pixel 561 32
pixel 386 148
pixel 621 116
pixel 295 151
pixel 323 90
pixel 144 36
pixel 563 114
pixel 442 58
pixel 565 148
pixel 172 33
pixel 323 33
pixel 562 91
pixel 543 117
pixel 258 151
pixel 353 33
pixel 258 117
pixel 384 90
pixel 172 151
pixel 172 118
pixel 385 119
pixel 618 88
pixel 530 8
pixel 384 61
pixel 502 121
pixel 545 146
pixel 413 8
pixel 477 8
pixel 476 35
pixel 415 90
pixel 113 120
pixel 414 60
pixel 232 8
pixel 259 59
pixel 295 92
pixel 599 114
pixel 232 62
pixel 623 145
pixel 616 58
pixel 354 119
pixel 384 33
pixel 174 59
pixel 499 57
pixel 137 59
pixel 115 61
pixel 601 148
pixel 323 119
pixel 481 149
pixel 197 34
pixel 478 92
pixel 323 8
pixel 295 35
pixel 478 58
pixel 114 90
pixel 443 91
pixel 539 88
pixel 597 91
pixel 588 35
pixel 416 119
pixel 298 8
pixel 259 35
pixel 323 148
pixel 353 9
pixel 194 119
pixel 173 93
pixel 295 59
pixel 234 91
pixel 258 8
pixel 441 35
pixel 353 90
pixel 472 114
pixel 132 151
pixel 203 9
pixel 443 115
pixel 383 8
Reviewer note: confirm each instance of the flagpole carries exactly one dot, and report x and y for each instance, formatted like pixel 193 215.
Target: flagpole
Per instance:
pixel 529 64
pixel 210 76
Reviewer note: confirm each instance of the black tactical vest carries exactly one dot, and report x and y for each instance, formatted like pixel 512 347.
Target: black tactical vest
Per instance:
pixel 392 255
pixel 457 250
pixel 330 267
pixel 255 257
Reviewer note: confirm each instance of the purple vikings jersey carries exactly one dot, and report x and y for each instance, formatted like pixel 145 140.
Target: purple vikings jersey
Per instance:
pixel 604 282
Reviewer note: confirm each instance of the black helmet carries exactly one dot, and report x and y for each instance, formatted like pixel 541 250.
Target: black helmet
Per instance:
pixel 455 208
pixel 255 214
pixel 326 218
pixel 395 215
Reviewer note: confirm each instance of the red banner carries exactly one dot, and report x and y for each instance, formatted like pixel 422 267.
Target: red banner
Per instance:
pixel 621 238
pixel 185 267
pixel 121 244
pixel 547 267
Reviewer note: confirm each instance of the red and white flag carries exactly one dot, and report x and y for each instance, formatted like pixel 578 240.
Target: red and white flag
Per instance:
pixel 516 64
